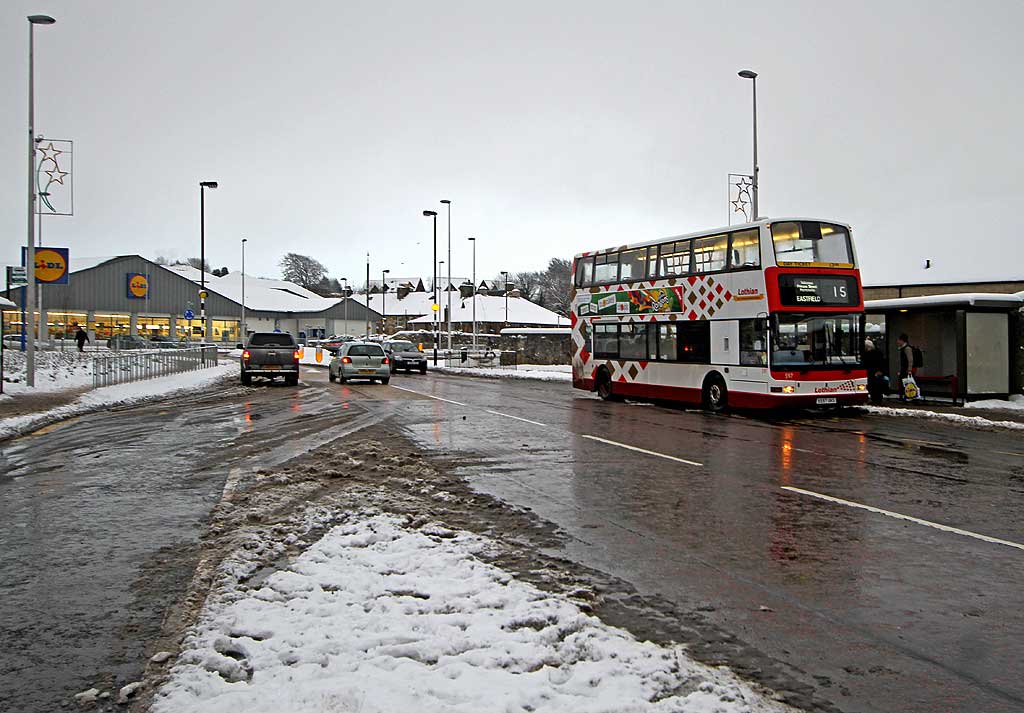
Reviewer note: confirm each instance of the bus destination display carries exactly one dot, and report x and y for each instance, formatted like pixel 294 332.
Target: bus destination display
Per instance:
pixel 817 290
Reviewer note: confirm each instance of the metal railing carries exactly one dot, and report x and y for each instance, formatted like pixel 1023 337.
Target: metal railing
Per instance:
pixel 127 366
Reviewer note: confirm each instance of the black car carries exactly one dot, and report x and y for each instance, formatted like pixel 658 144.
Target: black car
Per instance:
pixel 405 356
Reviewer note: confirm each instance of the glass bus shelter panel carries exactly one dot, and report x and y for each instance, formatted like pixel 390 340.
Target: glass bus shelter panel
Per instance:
pixel 811 242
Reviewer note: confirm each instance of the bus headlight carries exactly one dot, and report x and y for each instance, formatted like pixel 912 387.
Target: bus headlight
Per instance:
pixel 788 389
pixel 862 387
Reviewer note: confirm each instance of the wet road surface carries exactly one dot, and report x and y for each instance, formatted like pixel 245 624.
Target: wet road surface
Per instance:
pixel 873 612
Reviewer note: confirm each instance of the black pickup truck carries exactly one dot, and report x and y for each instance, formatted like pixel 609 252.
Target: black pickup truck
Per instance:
pixel 270 354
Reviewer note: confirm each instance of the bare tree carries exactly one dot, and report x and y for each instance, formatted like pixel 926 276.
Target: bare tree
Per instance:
pixel 556 284
pixel 303 270
pixel 529 284
pixel 196 263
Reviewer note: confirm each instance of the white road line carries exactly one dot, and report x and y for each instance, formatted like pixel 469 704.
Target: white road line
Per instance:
pixel 641 450
pixel 908 518
pixel 525 420
pixel 438 398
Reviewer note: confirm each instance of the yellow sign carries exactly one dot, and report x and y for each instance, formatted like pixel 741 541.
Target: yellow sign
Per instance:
pixel 203 294
pixel 435 306
pixel 138 286
pixel 50 265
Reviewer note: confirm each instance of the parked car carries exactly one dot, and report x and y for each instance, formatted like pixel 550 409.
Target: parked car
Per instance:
pixel 360 360
pixel 405 356
pixel 128 341
pixel 270 354
pixel 332 343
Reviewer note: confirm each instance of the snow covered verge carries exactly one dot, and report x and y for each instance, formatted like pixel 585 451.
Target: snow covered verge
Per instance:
pixel 120 394
pixel 537 372
pixel 55 371
pixel 970 421
pixel 1014 403
pixel 384 614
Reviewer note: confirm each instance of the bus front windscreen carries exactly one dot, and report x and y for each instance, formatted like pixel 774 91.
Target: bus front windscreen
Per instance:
pixel 810 243
pixel 814 340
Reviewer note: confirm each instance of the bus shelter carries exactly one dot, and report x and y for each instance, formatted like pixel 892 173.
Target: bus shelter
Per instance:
pixel 970 342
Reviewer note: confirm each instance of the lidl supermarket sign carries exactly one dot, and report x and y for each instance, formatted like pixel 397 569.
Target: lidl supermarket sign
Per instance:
pixel 51 265
pixel 138 286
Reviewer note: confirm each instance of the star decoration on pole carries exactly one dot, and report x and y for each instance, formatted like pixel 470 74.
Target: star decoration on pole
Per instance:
pixel 740 186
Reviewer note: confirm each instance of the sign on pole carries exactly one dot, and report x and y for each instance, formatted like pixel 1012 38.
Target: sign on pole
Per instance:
pixel 16 276
pixel 189 314
pixel 51 265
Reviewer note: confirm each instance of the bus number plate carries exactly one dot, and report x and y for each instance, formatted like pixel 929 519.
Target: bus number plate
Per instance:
pixel 826 400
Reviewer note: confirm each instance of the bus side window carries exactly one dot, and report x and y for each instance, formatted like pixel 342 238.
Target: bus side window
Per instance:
pixel 710 254
pixel 746 250
pixel 695 341
pixel 606 268
pixel 585 271
pixel 674 259
pixel 753 342
pixel 606 341
pixel 668 345
pixel 632 264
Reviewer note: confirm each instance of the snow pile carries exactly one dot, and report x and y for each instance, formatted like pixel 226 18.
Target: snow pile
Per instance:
pixel 117 395
pixel 972 421
pixel 537 372
pixel 55 371
pixel 377 617
pixel 1014 403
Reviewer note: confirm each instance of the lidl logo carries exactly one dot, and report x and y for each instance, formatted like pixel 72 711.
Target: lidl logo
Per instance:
pixel 138 286
pixel 51 265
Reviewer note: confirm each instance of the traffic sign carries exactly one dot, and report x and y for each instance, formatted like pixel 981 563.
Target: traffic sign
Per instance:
pixel 203 294
pixel 17 277
pixel 189 314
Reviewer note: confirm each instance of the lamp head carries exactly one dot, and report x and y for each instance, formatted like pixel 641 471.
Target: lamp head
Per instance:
pixel 473 239
pixel 446 202
pixel 429 213
pixel 207 184
pixel 748 74
pixel 41 19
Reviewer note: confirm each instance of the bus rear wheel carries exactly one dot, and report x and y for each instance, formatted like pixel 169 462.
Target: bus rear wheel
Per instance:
pixel 603 385
pixel 715 393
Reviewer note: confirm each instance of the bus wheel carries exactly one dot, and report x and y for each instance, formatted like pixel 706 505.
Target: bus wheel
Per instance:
pixel 716 394
pixel 603 384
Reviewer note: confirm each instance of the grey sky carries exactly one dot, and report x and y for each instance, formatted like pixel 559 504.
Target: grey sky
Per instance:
pixel 554 127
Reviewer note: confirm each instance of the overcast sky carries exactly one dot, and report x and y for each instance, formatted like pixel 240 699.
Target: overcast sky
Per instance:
pixel 554 127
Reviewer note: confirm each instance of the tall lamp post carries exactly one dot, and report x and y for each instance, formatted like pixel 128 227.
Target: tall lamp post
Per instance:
pixel 433 214
pixel 505 275
pixel 203 185
pixel 344 296
pixel 30 252
pixel 473 240
pixel 245 331
pixel 383 300
pixel 448 287
pixel 752 76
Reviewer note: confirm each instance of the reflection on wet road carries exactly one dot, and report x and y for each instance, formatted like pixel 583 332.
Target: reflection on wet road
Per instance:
pixel 868 607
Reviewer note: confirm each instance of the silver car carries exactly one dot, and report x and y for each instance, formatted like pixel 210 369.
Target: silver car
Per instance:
pixel 360 360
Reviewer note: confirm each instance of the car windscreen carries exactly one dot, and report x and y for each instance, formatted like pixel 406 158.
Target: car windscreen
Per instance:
pixel 371 350
pixel 402 346
pixel 271 340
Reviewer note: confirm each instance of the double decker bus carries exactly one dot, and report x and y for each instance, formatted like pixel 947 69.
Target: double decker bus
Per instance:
pixel 760 315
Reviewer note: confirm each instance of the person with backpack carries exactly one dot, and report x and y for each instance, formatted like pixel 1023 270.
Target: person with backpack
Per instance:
pixel 911 359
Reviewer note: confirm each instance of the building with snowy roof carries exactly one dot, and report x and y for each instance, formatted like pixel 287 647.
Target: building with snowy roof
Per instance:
pixel 493 313
pixel 128 294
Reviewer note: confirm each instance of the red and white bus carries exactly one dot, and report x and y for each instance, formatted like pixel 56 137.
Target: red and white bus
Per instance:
pixel 760 315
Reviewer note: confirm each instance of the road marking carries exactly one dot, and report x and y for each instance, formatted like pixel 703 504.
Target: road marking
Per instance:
pixel 908 518
pixel 525 420
pixel 438 398
pixel 641 450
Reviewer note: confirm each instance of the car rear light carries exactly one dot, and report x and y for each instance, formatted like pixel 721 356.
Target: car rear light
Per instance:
pixel 346 360
pixel 297 354
pixel 385 361
pixel 245 355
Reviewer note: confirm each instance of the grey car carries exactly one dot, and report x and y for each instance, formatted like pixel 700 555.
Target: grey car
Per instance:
pixel 405 356
pixel 360 360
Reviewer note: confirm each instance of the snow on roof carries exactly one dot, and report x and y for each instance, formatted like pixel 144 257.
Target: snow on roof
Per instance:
pixel 491 309
pixel 414 304
pixel 4 302
pixel 517 331
pixel 77 264
pixel 972 299
pixel 266 295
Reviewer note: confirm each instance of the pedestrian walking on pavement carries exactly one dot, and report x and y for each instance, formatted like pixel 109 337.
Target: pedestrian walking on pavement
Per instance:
pixel 81 338
pixel 910 362
pixel 874 362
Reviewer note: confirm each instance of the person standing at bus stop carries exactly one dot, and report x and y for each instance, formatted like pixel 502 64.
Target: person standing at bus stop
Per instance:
pixel 874 363
pixel 907 368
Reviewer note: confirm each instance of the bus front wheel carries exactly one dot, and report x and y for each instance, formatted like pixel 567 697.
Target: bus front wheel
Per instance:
pixel 716 393
pixel 603 385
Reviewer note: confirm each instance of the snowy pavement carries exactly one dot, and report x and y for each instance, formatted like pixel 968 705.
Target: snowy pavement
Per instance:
pixel 957 418
pixel 118 395
pixel 378 615
pixel 537 372
pixel 55 371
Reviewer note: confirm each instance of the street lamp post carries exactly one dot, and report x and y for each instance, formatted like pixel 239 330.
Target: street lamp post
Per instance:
pixel 383 300
pixel 505 275
pixel 203 185
pixel 752 76
pixel 245 331
pixel 344 296
pixel 473 240
pixel 433 214
pixel 30 252
pixel 448 287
